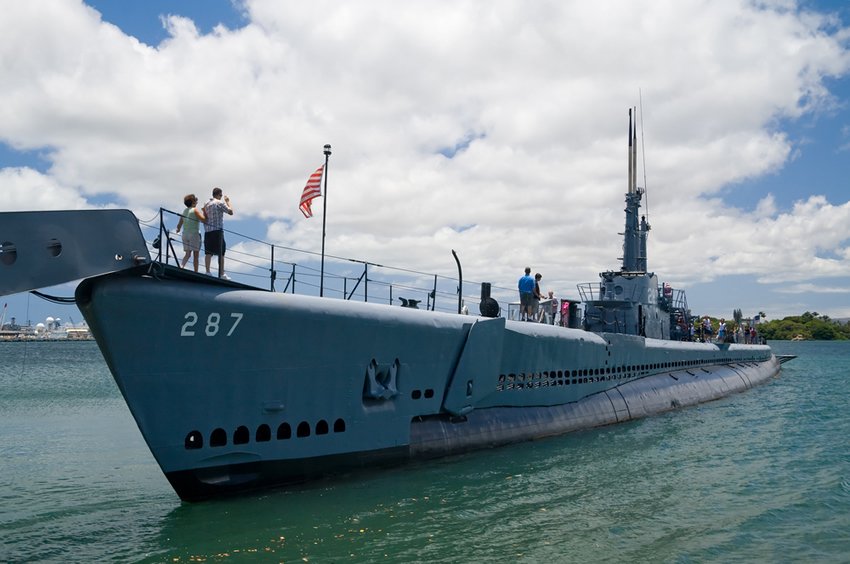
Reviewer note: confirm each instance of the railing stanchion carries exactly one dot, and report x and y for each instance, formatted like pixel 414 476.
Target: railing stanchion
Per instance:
pixel 434 294
pixel 459 283
pixel 159 238
pixel 272 273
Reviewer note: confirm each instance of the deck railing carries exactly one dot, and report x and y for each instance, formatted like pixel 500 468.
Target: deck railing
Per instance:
pixel 279 268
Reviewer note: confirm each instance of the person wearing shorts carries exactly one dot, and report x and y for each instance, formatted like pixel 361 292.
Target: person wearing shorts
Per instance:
pixel 536 296
pixel 526 296
pixel 214 243
pixel 189 220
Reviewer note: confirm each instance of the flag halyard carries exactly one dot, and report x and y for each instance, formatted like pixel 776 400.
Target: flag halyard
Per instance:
pixel 312 190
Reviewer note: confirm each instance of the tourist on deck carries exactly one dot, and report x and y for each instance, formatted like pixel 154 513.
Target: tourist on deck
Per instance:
pixel 526 295
pixel 537 314
pixel 552 311
pixel 191 234
pixel 721 331
pixel 214 230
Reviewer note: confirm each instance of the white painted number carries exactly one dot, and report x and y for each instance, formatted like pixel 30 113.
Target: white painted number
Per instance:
pixel 212 326
pixel 238 318
pixel 191 318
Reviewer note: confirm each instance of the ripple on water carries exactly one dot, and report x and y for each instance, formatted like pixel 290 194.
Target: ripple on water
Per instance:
pixel 759 476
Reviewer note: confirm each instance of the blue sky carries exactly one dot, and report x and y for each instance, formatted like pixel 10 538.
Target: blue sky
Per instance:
pixel 142 19
pixel 746 117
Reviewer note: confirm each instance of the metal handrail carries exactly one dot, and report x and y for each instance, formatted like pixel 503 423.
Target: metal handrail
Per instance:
pixel 260 260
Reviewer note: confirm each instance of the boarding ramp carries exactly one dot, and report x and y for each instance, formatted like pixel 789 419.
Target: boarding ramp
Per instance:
pixel 45 248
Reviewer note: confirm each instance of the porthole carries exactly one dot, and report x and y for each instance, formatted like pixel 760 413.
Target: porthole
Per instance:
pixel 416 394
pixel 264 433
pixel 339 426
pixel 54 248
pixel 303 429
pixel 194 440
pixel 8 253
pixel 284 431
pixel 241 436
pixel 218 437
pixel 429 393
pixel 322 427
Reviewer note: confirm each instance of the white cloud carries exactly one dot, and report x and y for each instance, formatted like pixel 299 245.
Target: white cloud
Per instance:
pixel 814 288
pixel 534 93
pixel 25 189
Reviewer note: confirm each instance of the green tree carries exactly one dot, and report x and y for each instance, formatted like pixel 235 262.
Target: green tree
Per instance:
pixel 823 331
pixel 810 325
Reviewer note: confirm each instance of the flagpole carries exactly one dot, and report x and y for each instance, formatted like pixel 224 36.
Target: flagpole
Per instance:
pixel 324 223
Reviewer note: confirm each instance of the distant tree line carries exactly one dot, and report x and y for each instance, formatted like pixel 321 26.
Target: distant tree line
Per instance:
pixel 810 325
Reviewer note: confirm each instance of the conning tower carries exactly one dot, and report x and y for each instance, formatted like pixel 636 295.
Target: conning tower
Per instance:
pixel 630 301
pixel 634 238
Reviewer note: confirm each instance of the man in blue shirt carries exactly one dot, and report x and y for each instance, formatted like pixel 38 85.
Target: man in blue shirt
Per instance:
pixel 526 296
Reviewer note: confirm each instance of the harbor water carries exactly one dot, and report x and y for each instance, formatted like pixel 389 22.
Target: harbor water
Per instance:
pixel 762 476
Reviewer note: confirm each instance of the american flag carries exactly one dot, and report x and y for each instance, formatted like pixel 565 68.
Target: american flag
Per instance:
pixel 312 190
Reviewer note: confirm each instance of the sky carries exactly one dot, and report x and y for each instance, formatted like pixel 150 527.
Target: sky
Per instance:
pixel 497 129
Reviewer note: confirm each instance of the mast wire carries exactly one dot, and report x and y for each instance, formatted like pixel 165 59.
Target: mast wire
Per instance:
pixel 643 151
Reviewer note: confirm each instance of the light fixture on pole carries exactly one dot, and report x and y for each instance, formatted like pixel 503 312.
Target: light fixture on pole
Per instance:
pixel 324 222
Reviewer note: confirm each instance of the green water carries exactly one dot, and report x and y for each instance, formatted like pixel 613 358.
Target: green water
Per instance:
pixel 762 476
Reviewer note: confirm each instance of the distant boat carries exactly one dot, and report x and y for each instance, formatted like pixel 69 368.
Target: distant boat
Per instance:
pixel 78 334
pixel 236 388
pixel 798 337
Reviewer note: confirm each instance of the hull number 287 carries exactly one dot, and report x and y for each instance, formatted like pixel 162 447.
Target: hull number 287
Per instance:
pixel 211 327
